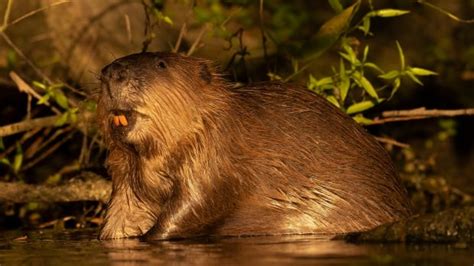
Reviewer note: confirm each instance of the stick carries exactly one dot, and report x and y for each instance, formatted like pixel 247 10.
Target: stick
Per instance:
pixel 198 39
pixel 24 87
pixel 28 125
pixel 392 142
pixel 417 114
pixel 182 31
pixel 432 113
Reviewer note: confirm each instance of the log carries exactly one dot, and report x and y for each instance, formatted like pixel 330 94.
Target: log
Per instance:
pixel 74 190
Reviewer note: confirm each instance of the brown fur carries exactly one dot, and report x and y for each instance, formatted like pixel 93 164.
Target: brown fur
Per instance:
pixel 200 157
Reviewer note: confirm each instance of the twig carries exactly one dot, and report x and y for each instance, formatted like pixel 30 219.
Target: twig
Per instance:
pixel 128 27
pixel 24 87
pixel 26 125
pixel 48 152
pixel 182 31
pixel 30 153
pixel 392 142
pixel 48 121
pixel 198 39
pixel 378 121
pixel 442 11
pixel 6 16
pixel 83 31
pixel 33 12
pixel 23 139
pixel 431 113
pixel 264 38
pixel 417 114
pixel 24 57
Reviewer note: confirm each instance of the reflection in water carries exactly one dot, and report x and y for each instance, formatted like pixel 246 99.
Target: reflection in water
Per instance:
pixel 79 247
pixel 229 250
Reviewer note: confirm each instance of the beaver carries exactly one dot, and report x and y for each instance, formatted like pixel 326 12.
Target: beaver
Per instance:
pixel 191 154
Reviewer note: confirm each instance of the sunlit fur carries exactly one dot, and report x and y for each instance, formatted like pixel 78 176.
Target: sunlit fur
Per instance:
pixel 204 158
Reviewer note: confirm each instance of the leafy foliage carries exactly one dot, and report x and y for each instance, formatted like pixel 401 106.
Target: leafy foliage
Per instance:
pixel 353 74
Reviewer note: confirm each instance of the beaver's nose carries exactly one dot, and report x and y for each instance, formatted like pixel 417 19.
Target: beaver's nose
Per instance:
pixel 114 77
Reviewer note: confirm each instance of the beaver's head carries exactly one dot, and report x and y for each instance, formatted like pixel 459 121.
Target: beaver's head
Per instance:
pixel 152 99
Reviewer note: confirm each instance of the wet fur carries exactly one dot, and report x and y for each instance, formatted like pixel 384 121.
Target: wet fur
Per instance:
pixel 262 159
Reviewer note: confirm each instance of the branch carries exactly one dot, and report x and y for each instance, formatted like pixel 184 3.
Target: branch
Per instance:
pixel 194 46
pixel 431 113
pixel 48 121
pixel 418 113
pixel 24 87
pixel 182 32
pixel 89 190
pixel 26 125
pixel 392 142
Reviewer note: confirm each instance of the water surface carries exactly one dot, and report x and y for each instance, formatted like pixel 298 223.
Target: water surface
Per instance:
pixel 80 247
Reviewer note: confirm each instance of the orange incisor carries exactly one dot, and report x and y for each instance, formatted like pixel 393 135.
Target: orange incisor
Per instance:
pixel 120 120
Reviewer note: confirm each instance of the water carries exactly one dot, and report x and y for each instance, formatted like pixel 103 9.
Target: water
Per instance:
pixel 80 247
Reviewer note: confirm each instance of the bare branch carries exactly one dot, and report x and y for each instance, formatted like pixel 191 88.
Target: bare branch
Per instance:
pixel 24 87
pixel 24 57
pixel 392 142
pixel 33 12
pixel 198 40
pixel 48 121
pixel 182 31
pixel 431 113
pixel 417 114
pixel 264 38
pixel 28 125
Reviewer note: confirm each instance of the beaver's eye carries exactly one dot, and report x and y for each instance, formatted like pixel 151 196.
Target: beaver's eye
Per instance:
pixel 162 64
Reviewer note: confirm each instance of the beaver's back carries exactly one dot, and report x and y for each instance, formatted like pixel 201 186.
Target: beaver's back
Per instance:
pixel 315 169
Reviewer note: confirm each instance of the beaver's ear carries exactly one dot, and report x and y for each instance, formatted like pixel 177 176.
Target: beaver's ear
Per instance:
pixel 205 73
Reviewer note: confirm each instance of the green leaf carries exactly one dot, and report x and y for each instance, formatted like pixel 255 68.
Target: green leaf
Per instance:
pixel 167 20
pixel 336 5
pixel 385 13
pixel 347 57
pixel 312 82
pixel 44 99
pixel 11 59
pixel 324 81
pixel 61 99
pixel 414 78
pixel 53 179
pixel 359 118
pixel 360 107
pixel 39 85
pixel 5 161
pixel 402 57
pixel 352 55
pixel 333 100
pixel 366 52
pixel 56 86
pixel 421 71
pixel 18 159
pixel 365 27
pixel 330 31
pixel 62 119
pixel 390 75
pixel 73 116
pixel 90 105
pixel 365 83
pixel 373 66
pixel 344 87
pixel 395 87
